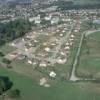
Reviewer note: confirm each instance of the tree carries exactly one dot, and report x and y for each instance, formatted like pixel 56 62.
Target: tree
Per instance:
pixel 1 54
pixel 2 86
pixel 13 29
pixel 6 61
pixel 5 84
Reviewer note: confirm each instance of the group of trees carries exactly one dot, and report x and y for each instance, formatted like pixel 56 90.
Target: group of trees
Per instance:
pixel 5 84
pixel 5 89
pixel 13 29
pixel 65 5
pixel 7 62
pixel 84 6
pixel 1 54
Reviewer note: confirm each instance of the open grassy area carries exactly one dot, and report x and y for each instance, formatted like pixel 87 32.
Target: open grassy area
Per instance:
pixel 89 65
pixel 22 67
pixel 30 90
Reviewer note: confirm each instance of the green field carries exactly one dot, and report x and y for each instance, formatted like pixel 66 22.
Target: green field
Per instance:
pixel 89 65
pixel 30 90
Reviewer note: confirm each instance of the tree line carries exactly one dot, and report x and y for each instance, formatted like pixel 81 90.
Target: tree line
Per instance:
pixel 78 7
pixel 13 29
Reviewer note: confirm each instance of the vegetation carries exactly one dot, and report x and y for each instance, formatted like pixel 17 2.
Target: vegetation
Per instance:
pixel 15 93
pixel 77 4
pixel 5 84
pixel 1 54
pixel 30 90
pixel 5 89
pixel 85 6
pixel 6 61
pixel 2 86
pixel 86 1
pixel 90 57
pixel 13 29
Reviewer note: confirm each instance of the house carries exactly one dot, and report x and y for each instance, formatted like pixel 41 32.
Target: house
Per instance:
pixel 52 74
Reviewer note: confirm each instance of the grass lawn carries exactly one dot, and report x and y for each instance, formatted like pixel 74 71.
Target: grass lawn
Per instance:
pixel 90 62
pixel 30 90
pixel 22 67
pixel 95 35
